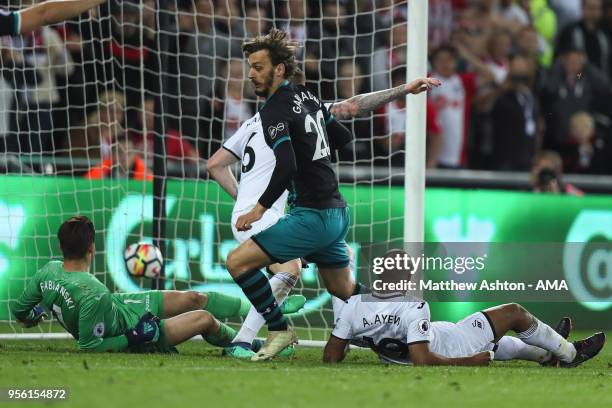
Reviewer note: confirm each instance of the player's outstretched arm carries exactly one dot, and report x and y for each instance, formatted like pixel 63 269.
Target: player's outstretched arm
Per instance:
pixel 24 308
pixel 335 350
pixel 363 103
pixel 218 167
pixel 53 11
pixel 421 355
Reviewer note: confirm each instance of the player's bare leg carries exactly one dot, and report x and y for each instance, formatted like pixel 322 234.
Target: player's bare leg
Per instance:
pixel 243 264
pixel 246 257
pixel 220 305
pixel 340 282
pixel 532 331
pixel 285 277
pixel 198 322
pixel 177 302
pixel 337 303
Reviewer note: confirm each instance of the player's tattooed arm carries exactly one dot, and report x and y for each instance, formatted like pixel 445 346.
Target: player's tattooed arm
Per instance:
pixel 335 350
pixel 362 104
pixel 421 355
pixel 218 167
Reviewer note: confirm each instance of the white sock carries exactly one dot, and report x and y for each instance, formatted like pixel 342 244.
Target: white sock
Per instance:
pixel 543 336
pixel 281 285
pixel 337 306
pixel 511 348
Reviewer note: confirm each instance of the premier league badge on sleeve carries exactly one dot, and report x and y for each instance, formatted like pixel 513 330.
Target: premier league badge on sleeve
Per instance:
pixel 423 326
pixel 98 330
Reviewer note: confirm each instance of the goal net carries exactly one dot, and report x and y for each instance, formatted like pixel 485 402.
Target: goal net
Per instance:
pixel 82 104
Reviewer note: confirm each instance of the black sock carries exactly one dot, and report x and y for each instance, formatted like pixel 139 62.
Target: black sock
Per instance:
pixel 257 289
pixel 359 288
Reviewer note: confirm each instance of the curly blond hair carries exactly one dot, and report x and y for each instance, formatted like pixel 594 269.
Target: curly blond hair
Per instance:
pixel 280 48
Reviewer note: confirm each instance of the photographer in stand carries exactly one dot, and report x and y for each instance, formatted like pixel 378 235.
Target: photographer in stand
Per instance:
pixel 547 175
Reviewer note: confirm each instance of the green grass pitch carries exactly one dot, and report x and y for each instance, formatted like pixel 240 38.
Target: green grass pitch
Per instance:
pixel 199 377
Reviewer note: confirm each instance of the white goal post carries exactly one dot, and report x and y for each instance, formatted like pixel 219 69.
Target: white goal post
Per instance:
pixel 414 167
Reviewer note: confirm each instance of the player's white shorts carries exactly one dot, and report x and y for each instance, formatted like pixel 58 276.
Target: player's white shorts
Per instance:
pixel 464 338
pixel 270 217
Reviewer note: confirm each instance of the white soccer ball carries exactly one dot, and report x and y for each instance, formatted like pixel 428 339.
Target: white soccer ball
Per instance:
pixel 143 259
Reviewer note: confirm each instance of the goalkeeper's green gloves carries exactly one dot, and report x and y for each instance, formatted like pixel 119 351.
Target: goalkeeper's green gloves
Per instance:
pixel 145 331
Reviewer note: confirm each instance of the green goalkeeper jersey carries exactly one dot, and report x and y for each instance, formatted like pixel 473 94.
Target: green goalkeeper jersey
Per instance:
pixel 81 303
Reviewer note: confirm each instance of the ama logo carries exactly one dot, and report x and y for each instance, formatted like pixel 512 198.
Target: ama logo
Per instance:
pixel 587 259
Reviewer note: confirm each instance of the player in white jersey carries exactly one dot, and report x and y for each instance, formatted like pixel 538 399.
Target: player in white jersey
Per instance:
pixel 399 330
pixel 257 159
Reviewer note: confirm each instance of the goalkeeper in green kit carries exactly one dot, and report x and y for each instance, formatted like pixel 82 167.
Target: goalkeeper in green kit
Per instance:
pixel 99 320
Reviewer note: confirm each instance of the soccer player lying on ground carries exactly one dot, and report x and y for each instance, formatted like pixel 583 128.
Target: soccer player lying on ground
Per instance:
pixel 249 146
pixel 38 15
pixel 398 329
pixel 102 321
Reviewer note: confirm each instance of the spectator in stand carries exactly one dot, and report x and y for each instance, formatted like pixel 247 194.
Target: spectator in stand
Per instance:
pixel 293 19
pixel 370 34
pixel 478 137
pixel 513 15
pixel 71 108
pixel 453 101
pixel 585 151
pixel 440 23
pixel 178 41
pixel 130 47
pixel 350 83
pixel 201 62
pixel 336 43
pixel 515 120
pixel 500 48
pixel 46 52
pixel 178 147
pixel 571 85
pixel 123 162
pixel 17 75
pixel 94 137
pixel 233 97
pixel 490 78
pixel 393 125
pixel 588 35
pixel 228 18
pixel 255 22
pixel 567 11
pixel 389 11
pixel 392 56
pixel 531 45
pixel 486 17
pixel 547 175
pixel 544 21
pixel 607 23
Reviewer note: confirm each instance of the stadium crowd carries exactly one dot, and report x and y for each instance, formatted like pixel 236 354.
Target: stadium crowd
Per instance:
pixel 520 78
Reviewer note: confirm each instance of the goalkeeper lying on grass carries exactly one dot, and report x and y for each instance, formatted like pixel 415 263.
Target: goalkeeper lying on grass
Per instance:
pixel 104 321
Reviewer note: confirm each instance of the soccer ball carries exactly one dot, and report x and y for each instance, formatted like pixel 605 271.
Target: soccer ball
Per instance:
pixel 143 259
